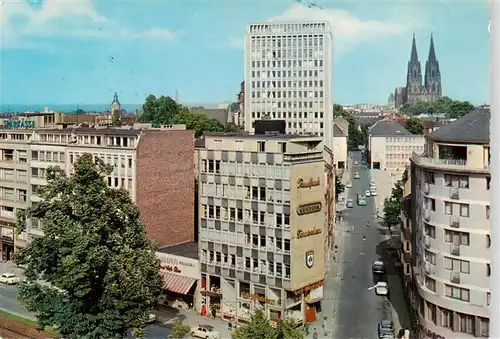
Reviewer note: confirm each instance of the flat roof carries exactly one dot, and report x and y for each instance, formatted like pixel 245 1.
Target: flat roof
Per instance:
pixel 245 135
pixel 187 250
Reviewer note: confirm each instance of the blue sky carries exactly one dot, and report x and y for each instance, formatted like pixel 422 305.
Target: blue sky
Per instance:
pixel 81 51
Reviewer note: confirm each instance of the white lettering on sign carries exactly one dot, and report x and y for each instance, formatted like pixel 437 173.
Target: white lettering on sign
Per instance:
pixel 176 262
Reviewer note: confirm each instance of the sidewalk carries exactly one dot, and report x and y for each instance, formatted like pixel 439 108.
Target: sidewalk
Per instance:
pixel 10 267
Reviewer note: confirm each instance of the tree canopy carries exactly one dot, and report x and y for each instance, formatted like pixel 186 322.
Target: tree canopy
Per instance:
pixel 392 206
pixel 166 111
pixel 414 126
pixel 358 134
pixel 94 273
pixel 259 327
pixel 452 108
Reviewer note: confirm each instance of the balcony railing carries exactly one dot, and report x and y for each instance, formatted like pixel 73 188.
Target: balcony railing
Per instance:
pixel 455 249
pixel 454 193
pixel 454 221
pixel 450 164
pixel 455 277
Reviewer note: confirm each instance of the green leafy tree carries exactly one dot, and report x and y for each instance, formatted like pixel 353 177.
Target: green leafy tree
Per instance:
pixel 391 212
pixel 452 108
pixel 259 327
pixel 99 270
pixel 116 118
pixel 179 330
pixel 414 126
pixel 339 187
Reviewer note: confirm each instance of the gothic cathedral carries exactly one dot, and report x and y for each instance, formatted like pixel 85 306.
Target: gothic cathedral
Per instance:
pixel 416 91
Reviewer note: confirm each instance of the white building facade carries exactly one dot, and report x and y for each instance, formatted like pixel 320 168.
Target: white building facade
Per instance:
pixel 288 76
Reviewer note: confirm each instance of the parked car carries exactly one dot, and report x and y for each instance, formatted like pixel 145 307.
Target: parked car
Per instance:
pixel 386 329
pixel 378 267
pixel 205 332
pixel 349 203
pixel 356 175
pixel 9 279
pixel 151 318
pixel 356 162
pixel 382 288
pixel 349 184
pixel 367 193
pixel 373 191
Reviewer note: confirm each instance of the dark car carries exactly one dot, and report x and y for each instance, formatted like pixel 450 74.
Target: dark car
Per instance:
pixel 378 267
pixel 386 329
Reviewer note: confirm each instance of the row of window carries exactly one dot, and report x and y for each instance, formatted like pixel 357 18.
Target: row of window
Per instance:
pixel 452 180
pixel 246 169
pixel 244 216
pixel 399 140
pixel 450 208
pixel 8 174
pixel 288 94
pixel 12 194
pixel 13 155
pixel 283 41
pixel 246 263
pixel 48 156
pixel 445 318
pixel 298 62
pixel 245 193
pixel 283 83
pixel 450 236
pixel 404 148
pixel 454 265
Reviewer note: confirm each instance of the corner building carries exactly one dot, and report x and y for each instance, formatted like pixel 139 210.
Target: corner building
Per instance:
pixel 263 225
pixel 450 242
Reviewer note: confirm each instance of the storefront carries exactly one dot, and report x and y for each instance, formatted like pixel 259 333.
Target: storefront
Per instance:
pixel 7 235
pixel 181 276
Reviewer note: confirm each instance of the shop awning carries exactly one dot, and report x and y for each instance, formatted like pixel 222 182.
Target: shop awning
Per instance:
pixel 177 283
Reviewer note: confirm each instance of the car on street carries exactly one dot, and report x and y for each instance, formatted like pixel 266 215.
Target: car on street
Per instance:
pixel 9 279
pixel 386 329
pixel 349 203
pixel 205 332
pixel 361 199
pixel 349 184
pixel 356 162
pixel 378 267
pixel 367 193
pixel 373 191
pixel 151 318
pixel 382 288
pixel 372 183
pixel 356 175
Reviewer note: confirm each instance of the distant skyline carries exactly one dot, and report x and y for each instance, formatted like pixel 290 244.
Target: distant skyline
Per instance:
pixel 86 50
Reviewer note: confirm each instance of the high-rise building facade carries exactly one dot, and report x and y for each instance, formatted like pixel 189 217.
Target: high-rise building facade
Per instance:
pixel 288 76
pixel 264 224
pixel 448 242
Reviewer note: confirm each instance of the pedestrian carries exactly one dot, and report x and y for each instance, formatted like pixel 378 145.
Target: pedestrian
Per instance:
pixel 315 333
pixel 325 318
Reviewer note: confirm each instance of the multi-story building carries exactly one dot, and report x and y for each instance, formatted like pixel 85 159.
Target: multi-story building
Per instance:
pixel 390 145
pixel 451 229
pixel 154 165
pixel 265 224
pixel 339 148
pixel 288 75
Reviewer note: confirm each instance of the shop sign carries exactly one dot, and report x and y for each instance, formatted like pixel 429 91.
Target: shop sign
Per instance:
pixel 308 183
pixel 259 298
pixel 187 267
pixel 309 208
pixel 18 124
pixel 309 288
pixel 305 234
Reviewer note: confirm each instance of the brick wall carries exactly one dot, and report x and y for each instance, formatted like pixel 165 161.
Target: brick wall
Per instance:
pixel 165 185
pixel 12 329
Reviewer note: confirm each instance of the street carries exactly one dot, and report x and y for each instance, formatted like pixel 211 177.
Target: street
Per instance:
pixel 358 310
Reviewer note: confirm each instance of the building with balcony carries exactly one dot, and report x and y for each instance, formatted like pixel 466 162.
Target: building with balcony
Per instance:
pixel 265 224
pixel 390 146
pixel 450 232
pixel 154 165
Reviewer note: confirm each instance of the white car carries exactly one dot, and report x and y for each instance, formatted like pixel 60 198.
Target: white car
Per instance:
pixel 372 183
pixel 356 162
pixel 151 318
pixel 9 279
pixel 205 332
pixel 356 175
pixel 367 193
pixel 373 191
pixel 349 184
pixel 381 288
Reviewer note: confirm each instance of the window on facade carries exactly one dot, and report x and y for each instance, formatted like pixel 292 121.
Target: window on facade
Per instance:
pixel 488 270
pixel 429 178
pixel 446 319
pixel 488 241
pixel 261 146
pixel 488 181
pixel 484 327
pixel 430 284
pixel 464 210
pixel 466 323
pixel 430 231
pixel 430 204
pixel 457 265
pixel 432 312
pixel 458 181
pixel 458 238
pixel 488 298
pixel 255 193
pixel 488 212
pixel 430 257
pixel 448 208
pixel 457 293
pixel 247 263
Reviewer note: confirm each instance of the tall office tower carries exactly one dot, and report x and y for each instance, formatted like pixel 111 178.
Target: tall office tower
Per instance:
pixel 288 76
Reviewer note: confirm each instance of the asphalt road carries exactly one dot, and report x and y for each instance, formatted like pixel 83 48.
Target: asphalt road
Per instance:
pixel 9 302
pixel 358 310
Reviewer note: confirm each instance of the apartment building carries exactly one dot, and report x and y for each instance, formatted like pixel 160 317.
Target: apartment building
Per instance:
pixel 154 165
pixel 339 148
pixel 288 75
pixel 451 229
pixel 266 224
pixel 390 146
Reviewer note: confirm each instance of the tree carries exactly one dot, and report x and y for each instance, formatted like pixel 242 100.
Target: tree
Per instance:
pixel 451 108
pixel 165 111
pixel 391 212
pixel 116 118
pixel 259 327
pixel 99 270
pixel 339 187
pixel 414 126
pixel 179 330
pixel 234 106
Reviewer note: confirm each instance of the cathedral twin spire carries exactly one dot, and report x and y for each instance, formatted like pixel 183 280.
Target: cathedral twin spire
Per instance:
pixel 430 89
